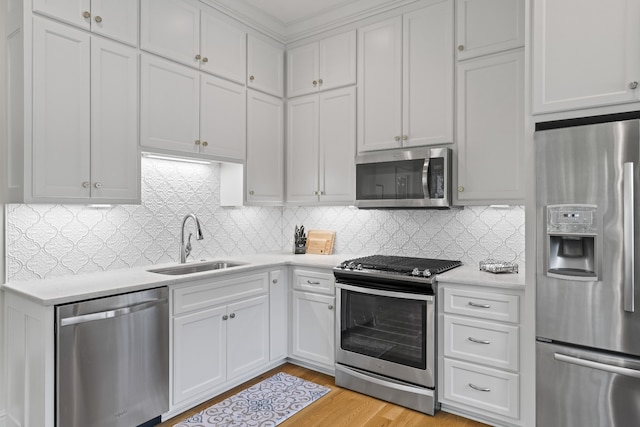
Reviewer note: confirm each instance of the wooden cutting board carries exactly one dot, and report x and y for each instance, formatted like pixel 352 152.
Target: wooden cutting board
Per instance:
pixel 320 241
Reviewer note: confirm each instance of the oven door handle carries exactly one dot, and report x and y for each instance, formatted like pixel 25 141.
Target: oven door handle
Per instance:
pixel 383 293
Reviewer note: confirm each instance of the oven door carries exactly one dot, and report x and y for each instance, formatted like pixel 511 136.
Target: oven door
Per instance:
pixel 386 332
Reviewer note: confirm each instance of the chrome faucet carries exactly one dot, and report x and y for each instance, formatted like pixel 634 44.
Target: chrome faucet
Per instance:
pixel 185 250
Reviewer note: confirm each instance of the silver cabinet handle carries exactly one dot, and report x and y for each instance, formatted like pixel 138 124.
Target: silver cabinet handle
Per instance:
pixel 205 143
pixel 312 282
pixel 473 304
pixel 461 47
pixel 397 138
pixel 320 82
pixel 86 14
pixel 628 233
pixel 251 192
pixel 225 317
pixel 633 85
pixel 198 57
pixel 477 341
pixel 405 137
pixel 86 184
pixel 232 315
pixel 274 281
pixel 98 19
pixel 197 142
pixel 314 83
pixel 205 59
pixel 109 314
pixel 475 387
pixel 98 185
pixel 330 307
pixel 252 78
pixel 628 372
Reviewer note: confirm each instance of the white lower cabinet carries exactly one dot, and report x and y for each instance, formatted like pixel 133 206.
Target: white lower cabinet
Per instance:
pixel 479 353
pixel 220 331
pixel 313 319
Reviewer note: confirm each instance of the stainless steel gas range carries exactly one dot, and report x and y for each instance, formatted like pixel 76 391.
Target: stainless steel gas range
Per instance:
pixel 385 328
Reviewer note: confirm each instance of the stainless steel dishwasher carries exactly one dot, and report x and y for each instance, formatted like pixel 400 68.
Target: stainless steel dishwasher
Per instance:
pixel 112 360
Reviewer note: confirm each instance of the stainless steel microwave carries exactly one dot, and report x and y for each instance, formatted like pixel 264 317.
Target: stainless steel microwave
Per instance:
pixel 413 178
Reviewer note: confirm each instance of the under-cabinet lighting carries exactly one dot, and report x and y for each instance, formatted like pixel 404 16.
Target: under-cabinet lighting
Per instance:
pixel 176 159
pixel 499 206
pixel 96 206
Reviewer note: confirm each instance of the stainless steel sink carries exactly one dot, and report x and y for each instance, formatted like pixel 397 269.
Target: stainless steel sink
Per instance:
pixel 195 268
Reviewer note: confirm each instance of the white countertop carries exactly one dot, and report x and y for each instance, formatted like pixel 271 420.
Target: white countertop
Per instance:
pixel 62 290
pixel 470 274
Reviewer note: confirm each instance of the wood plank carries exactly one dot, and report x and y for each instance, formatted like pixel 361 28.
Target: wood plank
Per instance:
pixel 341 407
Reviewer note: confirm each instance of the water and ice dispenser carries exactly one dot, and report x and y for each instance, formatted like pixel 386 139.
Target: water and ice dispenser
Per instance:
pixel 572 242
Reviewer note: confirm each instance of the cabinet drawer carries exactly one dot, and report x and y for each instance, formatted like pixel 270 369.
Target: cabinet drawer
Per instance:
pixel 480 341
pixel 211 292
pixel 314 281
pixel 487 305
pixel 483 388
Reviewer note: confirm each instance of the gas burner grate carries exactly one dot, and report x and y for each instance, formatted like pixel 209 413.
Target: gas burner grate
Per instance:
pixel 404 264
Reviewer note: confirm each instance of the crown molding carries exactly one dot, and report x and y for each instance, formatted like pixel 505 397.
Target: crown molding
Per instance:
pixel 308 27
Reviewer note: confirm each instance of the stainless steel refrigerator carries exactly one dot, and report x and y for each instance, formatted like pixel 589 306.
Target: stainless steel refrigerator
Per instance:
pixel 587 282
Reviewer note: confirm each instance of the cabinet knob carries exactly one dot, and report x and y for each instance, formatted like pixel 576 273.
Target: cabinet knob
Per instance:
pixel 321 192
pixel 198 57
pixel 205 59
pixel 86 184
pixel 460 47
pixel 251 192
pixel 251 78
pixel 274 281
pixel 633 85
pixel 315 83
pixel 460 189
pixel 98 19
pixel 86 14
pixel 315 193
pixel 98 185
pixel 197 142
pixel 397 138
pixel 225 317
pixel 330 307
pixel 232 315
pixel 405 137
pixel 320 82
pixel 205 143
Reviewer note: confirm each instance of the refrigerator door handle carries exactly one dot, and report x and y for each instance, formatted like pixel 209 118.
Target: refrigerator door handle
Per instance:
pixel 629 236
pixel 627 372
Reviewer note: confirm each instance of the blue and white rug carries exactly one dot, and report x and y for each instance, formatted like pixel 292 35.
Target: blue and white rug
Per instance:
pixel 265 404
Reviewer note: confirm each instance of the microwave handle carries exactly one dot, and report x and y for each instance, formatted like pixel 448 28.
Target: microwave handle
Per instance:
pixel 425 178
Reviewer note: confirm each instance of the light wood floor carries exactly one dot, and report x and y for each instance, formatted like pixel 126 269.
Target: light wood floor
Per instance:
pixel 341 407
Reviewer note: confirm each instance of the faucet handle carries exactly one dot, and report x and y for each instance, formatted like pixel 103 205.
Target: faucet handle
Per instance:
pixel 187 249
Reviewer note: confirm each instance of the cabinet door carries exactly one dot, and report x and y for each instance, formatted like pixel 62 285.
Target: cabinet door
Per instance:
pixel 171 28
pixel 247 336
pixel 312 326
pixel 117 19
pixel 265 65
pixel 380 85
pixel 169 107
pixel 302 70
pixel 265 150
pixel 115 161
pixel 428 74
pixel 488 26
pixel 61 111
pixel 337 145
pixel 223 48
pixel 199 353
pixel 278 319
pixel 491 140
pixel 222 118
pixel 302 149
pixel 337 61
pixel 585 53
pixel 70 11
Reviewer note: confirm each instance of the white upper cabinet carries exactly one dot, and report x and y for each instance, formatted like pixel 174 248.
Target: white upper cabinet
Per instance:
pixel 405 78
pixel 324 65
pixel 265 66
pixel 488 26
pixel 586 53
pixel 265 149
pixel 84 117
pixel 186 112
pixel 490 141
pixel 321 148
pixel 193 34
pixel 117 19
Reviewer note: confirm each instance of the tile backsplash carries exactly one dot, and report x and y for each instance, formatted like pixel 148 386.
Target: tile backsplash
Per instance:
pixel 56 240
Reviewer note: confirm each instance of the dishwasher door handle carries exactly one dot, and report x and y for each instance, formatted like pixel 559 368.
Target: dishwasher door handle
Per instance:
pixel 118 312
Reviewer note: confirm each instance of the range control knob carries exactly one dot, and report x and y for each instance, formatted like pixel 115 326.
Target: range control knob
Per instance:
pixel 359 267
pixel 427 273
pixel 351 265
pixel 415 272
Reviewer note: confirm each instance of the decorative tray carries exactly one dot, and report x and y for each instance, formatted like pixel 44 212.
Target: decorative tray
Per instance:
pixel 494 266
